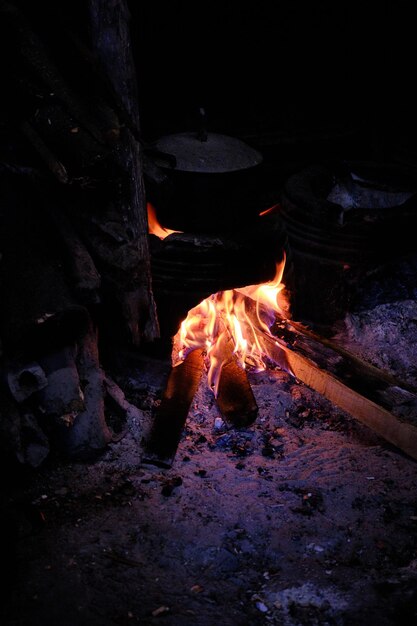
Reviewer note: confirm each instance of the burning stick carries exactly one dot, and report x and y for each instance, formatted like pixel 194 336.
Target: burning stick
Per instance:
pixel 235 397
pixel 171 414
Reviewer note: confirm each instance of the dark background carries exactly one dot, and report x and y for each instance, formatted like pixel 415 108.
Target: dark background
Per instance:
pixel 262 70
pixel 285 67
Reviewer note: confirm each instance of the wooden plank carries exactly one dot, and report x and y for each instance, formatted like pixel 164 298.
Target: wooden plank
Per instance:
pixel 375 384
pixel 362 369
pixel 170 417
pixel 399 431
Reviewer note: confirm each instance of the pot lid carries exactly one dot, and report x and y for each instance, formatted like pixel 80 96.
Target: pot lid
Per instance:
pixel 208 152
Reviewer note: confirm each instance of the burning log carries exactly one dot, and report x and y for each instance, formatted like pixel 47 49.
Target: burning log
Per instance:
pixel 235 397
pixel 171 414
pixel 376 399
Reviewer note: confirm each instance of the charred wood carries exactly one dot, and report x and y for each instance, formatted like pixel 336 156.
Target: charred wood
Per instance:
pixel 373 397
pixel 235 397
pixel 171 415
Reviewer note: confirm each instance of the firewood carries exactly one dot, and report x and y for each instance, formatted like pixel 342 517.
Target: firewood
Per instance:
pixel 170 416
pixel 371 398
pixel 235 397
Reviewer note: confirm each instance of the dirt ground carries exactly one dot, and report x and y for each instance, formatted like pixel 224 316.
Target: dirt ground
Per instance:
pixel 306 517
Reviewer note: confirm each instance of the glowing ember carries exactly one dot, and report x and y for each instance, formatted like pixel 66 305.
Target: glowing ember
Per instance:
pixel 241 316
pixel 155 227
pixel 272 209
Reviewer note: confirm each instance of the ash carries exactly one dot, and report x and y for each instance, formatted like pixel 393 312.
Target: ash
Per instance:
pixel 306 517
pixel 385 336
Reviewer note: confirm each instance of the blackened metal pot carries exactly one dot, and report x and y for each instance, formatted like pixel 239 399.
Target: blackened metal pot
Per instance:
pixel 211 182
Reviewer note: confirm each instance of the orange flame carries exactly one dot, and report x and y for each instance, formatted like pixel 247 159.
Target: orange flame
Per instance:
pixel 154 227
pixel 241 316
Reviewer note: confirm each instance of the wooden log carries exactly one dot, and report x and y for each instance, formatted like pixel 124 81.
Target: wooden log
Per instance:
pixel 170 417
pixel 235 397
pixel 369 398
pixel 361 376
pixel 113 47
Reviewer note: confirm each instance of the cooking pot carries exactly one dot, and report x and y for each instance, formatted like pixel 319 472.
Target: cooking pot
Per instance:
pixel 210 183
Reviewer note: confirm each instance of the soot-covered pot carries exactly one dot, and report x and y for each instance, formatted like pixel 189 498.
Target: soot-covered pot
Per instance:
pixel 210 181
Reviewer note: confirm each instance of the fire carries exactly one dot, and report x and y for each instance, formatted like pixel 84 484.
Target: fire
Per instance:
pixel 155 227
pixel 236 320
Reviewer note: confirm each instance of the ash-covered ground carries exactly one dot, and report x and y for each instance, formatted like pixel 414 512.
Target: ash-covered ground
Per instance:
pixel 306 517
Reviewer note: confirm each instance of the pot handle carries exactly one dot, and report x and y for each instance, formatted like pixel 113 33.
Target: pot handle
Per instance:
pixel 202 133
pixel 165 157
